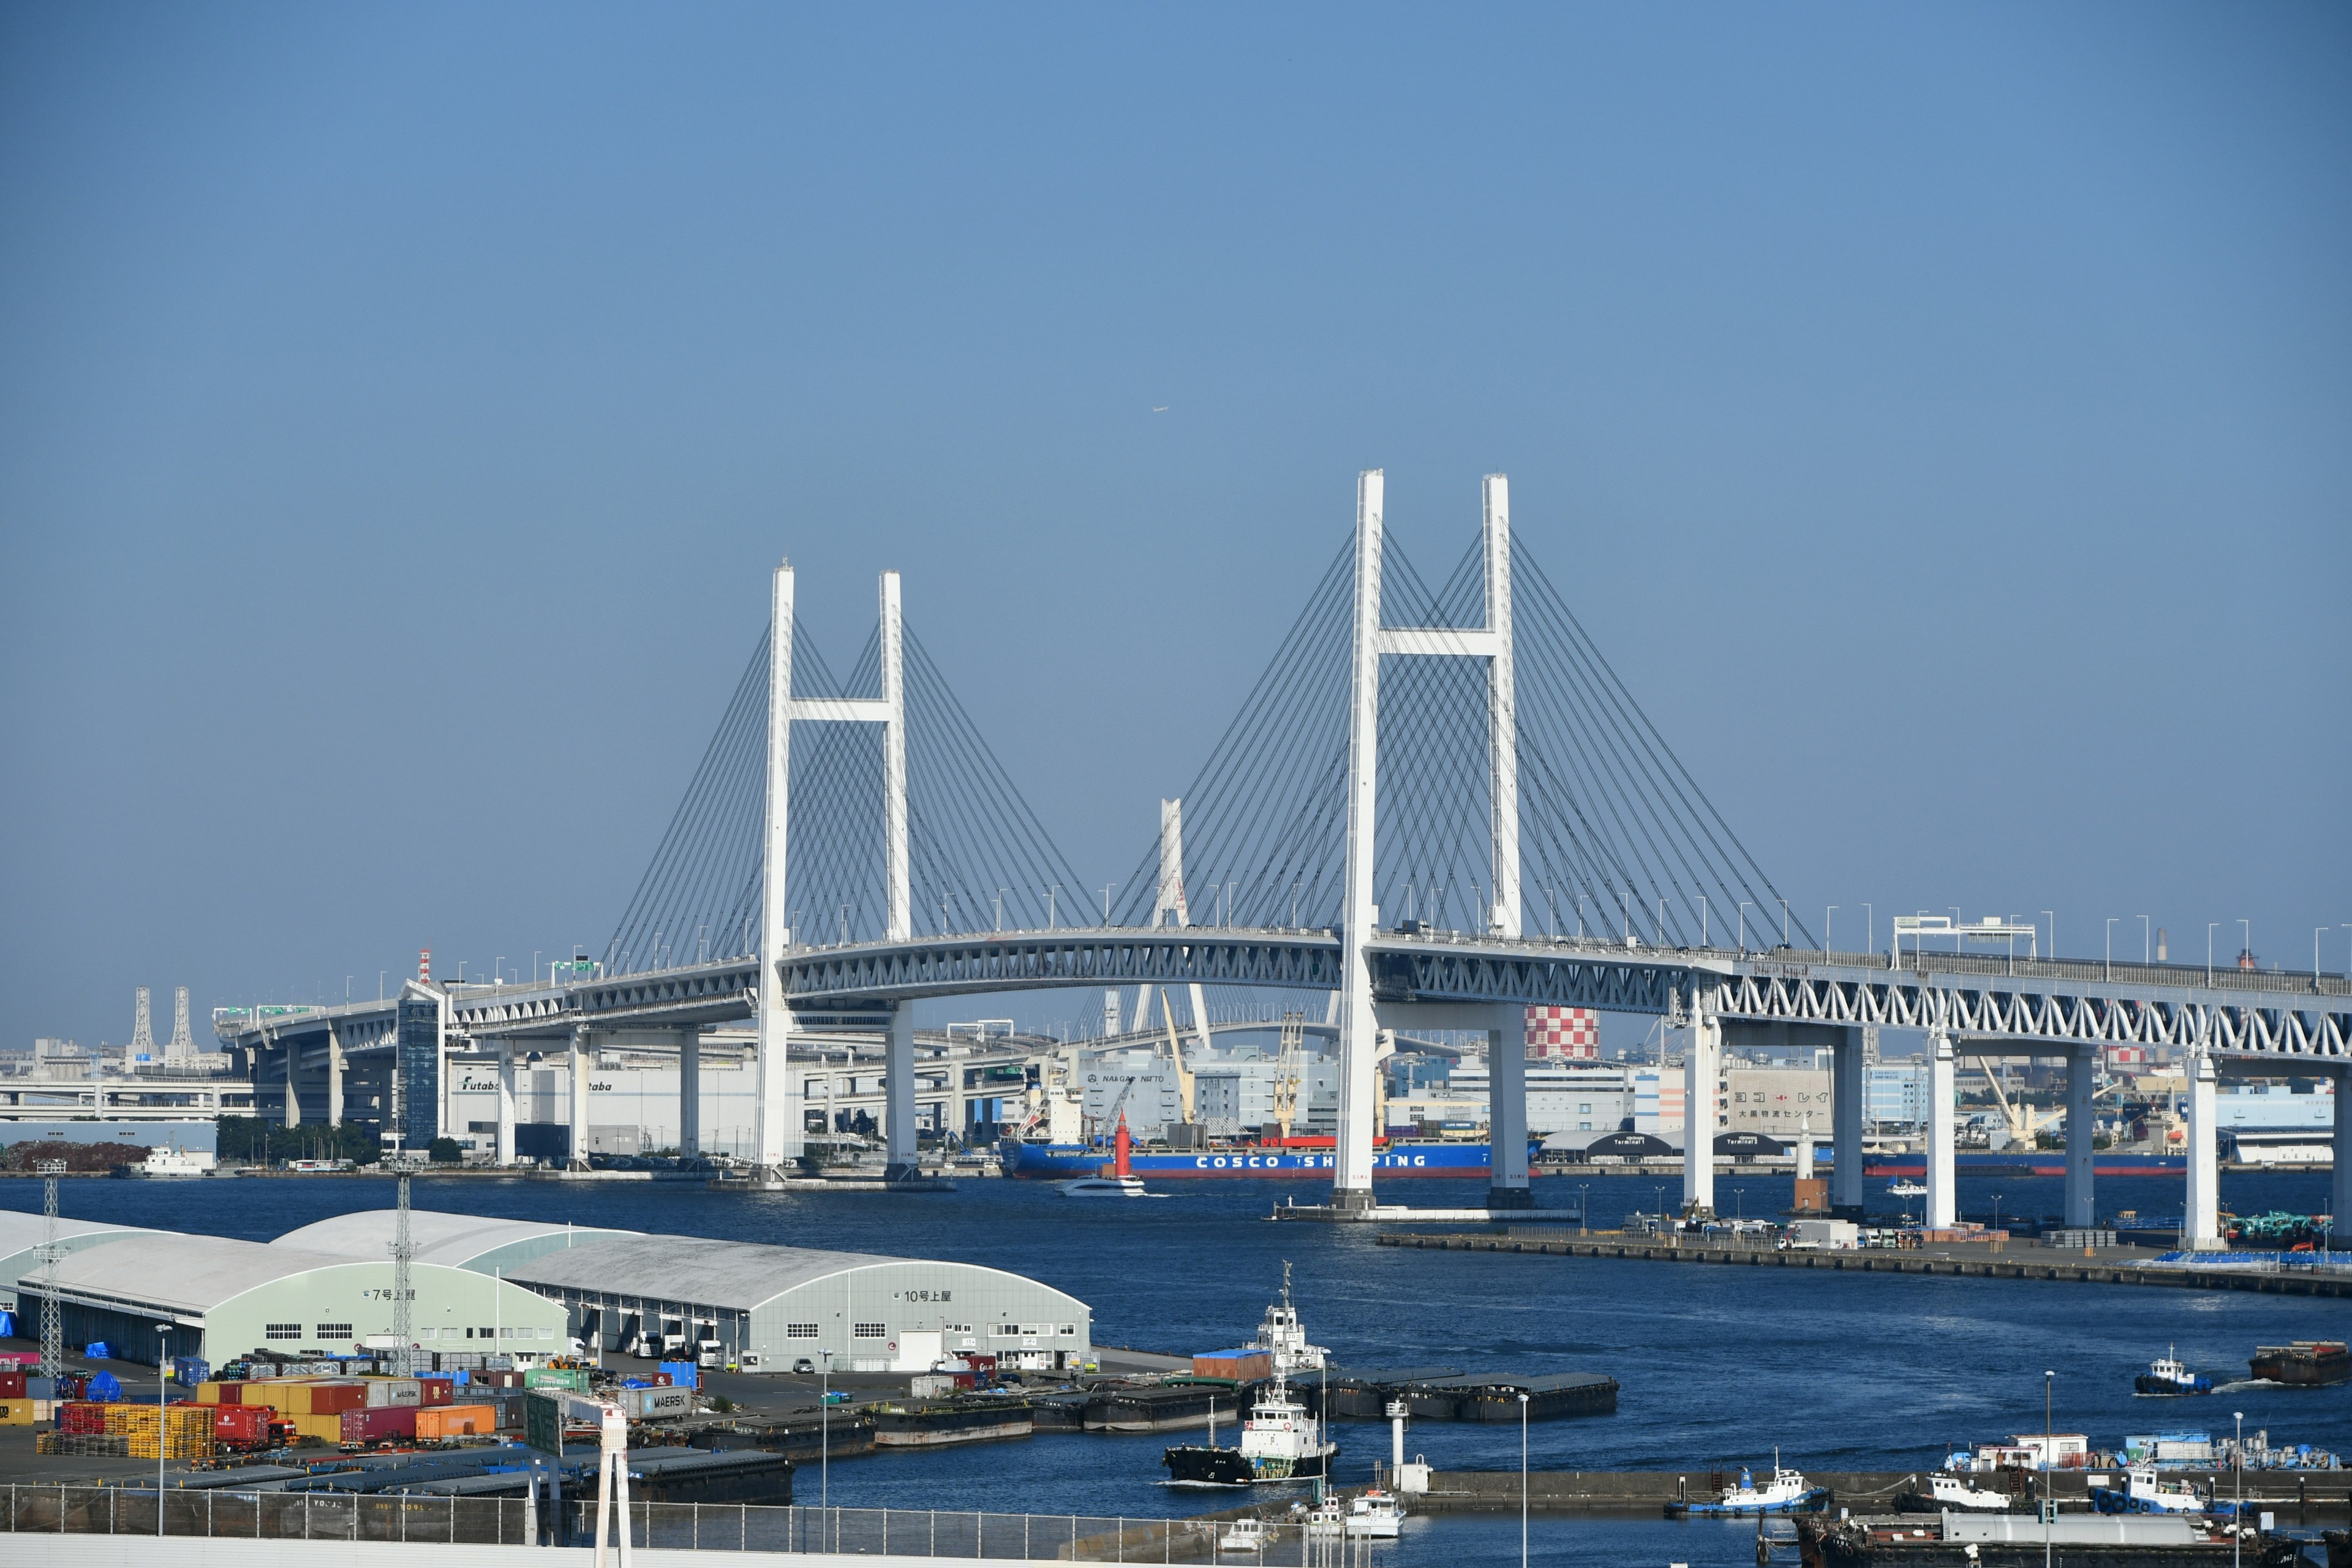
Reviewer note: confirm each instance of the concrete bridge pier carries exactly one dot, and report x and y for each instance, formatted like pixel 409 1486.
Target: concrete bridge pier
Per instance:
pixel 2342 1240
pixel 506 1146
pixel 2082 1079
pixel 689 1090
pixel 1701 1057
pixel 1845 1108
pixel 584 1057
pixel 1506 1100
pixel 2201 1225
pixel 293 1083
pixel 899 1097
pixel 1943 1200
pixel 334 1076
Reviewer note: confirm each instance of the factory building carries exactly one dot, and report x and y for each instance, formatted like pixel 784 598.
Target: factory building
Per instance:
pixel 224 1297
pixel 21 1239
pixel 771 1306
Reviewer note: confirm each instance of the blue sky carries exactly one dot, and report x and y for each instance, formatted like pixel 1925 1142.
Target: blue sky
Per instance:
pixel 1940 413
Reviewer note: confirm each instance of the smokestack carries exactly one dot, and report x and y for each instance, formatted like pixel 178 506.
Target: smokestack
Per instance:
pixel 2160 957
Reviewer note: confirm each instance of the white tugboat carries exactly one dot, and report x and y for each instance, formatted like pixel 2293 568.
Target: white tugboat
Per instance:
pixel 1787 1493
pixel 1280 1441
pixel 1954 1493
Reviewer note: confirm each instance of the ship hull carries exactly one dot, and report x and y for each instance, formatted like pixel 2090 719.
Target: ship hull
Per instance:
pixel 2304 1369
pixel 2027 1162
pixel 1198 1467
pixel 1066 1161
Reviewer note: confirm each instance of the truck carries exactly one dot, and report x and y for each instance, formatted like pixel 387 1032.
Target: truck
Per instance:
pixel 1822 1235
pixel 709 1353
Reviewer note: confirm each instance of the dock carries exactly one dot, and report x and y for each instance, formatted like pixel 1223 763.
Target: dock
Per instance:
pixel 1986 1266
pixel 1400 1214
pixel 1449 1393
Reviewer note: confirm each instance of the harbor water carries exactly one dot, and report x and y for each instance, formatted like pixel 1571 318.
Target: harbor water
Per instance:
pixel 1718 1366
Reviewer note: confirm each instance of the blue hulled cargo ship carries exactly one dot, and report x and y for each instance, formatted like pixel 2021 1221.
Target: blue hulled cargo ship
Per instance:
pixel 2026 1162
pixel 1064 1162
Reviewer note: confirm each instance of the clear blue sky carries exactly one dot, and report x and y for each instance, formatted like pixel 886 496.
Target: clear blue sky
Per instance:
pixel 1939 411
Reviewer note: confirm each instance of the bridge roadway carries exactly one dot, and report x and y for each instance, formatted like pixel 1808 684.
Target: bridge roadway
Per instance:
pixel 1990 1005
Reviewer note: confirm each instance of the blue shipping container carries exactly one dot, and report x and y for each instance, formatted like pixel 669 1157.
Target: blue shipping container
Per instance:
pixel 682 1374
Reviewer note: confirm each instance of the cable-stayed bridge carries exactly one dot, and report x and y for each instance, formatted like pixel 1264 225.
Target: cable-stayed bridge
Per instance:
pixel 1438 805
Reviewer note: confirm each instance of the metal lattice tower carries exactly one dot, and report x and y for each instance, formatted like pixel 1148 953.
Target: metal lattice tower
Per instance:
pixel 404 1327
pixel 53 1328
pixel 142 1033
pixel 183 1043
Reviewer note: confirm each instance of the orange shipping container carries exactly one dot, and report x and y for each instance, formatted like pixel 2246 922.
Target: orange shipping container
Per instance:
pixel 334 1398
pixel 457 1421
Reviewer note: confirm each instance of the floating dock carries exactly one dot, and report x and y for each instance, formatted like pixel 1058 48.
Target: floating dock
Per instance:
pixel 1448 1394
pixel 1401 1213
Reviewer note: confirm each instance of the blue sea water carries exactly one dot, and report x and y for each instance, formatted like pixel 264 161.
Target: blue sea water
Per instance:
pixel 1717 1365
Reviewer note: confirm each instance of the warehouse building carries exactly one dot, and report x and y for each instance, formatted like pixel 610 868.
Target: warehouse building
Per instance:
pixel 21 1240
pixel 223 1299
pixel 459 1240
pixel 772 1307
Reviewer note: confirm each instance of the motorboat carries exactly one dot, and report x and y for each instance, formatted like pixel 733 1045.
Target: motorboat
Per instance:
pixel 2168 1375
pixel 1904 1187
pixel 1954 1493
pixel 1247 1535
pixel 1105 1187
pixel 1375 1514
pixel 1787 1493
pixel 1326 1518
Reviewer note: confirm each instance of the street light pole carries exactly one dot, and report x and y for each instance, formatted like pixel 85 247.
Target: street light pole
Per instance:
pixel 2045 1468
pixel 825 1432
pixel 1523 1480
pixel 2211 926
pixel 2238 1535
pixel 163 1365
pixel 2111 947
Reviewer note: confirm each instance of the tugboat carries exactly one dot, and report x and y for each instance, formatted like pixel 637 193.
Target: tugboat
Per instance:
pixel 1906 1188
pixel 1787 1493
pixel 2167 1375
pixel 2142 1492
pixel 1280 1441
pixel 2307 1364
pixel 1282 1337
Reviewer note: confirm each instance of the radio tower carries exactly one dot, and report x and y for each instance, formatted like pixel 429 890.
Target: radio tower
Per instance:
pixel 403 1314
pixel 183 1043
pixel 53 1328
pixel 142 1037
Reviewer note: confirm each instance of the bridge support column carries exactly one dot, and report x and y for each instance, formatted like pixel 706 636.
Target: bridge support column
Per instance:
pixel 898 1097
pixel 584 1055
pixel 1351 1164
pixel 334 1076
pixel 1700 1070
pixel 2343 1224
pixel 2201 1223
pixel 2081 1118
pixel 1506 1110
pixel 506 1147
pixel 689 1091
pixel 1847 1096
pixel 293 1083
pixel 1943 1203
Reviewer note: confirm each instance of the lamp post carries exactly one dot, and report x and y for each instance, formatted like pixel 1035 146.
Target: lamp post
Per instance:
pixel 2238 1535
pixel 2211 926
pixel 2147 941
pixel 164 1366
pixel 2045 1468
pixel 2111 947
pixel 1523 1480
pixel 2053 933
pixel 1661 1192
pixel 825 1432
pixel 1996 1211
pixel 1584 1214
pixel 1829 924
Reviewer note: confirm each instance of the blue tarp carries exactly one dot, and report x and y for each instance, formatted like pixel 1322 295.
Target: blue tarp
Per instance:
pixel 97 1349
pixel 105 1388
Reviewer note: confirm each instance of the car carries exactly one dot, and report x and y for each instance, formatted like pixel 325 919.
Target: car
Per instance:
pixel 804 1364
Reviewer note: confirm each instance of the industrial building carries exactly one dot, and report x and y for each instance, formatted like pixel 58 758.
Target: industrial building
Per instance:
pixel 770 1307
pixel 472 1242
pixel 224 1298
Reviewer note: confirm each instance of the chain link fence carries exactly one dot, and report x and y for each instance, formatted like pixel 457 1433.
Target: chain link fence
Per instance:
pixel 442 1519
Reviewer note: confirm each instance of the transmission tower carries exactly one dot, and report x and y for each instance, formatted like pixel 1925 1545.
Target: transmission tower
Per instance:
pixel 183 1043
pixel 143 1035
pixel 53 1328
pixel 403 1313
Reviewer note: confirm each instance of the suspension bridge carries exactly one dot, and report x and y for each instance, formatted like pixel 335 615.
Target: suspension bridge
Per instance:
pixel 1438 805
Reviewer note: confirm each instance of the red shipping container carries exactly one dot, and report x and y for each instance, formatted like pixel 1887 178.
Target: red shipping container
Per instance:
pixel 12 1383
pixel 370 1425
pixel 243 1426
pixel 334 1398
pixel 437 1391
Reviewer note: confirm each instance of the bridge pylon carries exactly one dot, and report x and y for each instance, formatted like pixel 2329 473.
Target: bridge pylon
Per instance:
pixel 780 1118
pixel 1359 1025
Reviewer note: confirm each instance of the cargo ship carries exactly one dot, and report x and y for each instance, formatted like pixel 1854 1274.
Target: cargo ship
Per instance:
pixel 2026 1162
pixel 1299 1157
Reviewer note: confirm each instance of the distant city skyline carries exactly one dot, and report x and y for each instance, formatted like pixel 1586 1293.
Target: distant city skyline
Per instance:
pixel 1935 416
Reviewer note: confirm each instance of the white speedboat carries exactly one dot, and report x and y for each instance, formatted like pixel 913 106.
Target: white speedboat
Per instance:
pixel 1247 1535
pixel 1376 1514
pixel 1105 1187
pixel 1906 1188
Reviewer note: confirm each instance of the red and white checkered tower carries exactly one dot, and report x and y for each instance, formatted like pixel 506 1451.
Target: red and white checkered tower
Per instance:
pixel 1569 1034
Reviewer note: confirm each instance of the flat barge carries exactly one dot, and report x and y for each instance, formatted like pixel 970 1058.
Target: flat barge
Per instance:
pixel 1449 1393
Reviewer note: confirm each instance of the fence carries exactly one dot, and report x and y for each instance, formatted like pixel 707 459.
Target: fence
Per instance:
pixel 443 1519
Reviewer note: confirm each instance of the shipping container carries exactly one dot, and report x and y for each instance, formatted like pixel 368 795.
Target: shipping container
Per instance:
pixel 654 1403
pixel 456 1421
pixel 436 1390
pixel 684 1373
pixel 240 1426
pixel 378 1423
pixel 386 1392
pixel 12 1383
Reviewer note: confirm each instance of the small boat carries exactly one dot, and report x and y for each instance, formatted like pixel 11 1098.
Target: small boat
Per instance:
pixel 1906 1188
pixel 173 1164
pixel 1787 1493
pixel 1954 1493
pixel 1105 1187
pixel 1326 1518
pixel 2168 1375
pixel 1280 1441
pixel 1247 1535
pixel 1375 1514
pixel 2305 1363
pixel 2142 1492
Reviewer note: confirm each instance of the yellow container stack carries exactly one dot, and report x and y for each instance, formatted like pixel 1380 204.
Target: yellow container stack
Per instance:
pixel 183 1431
